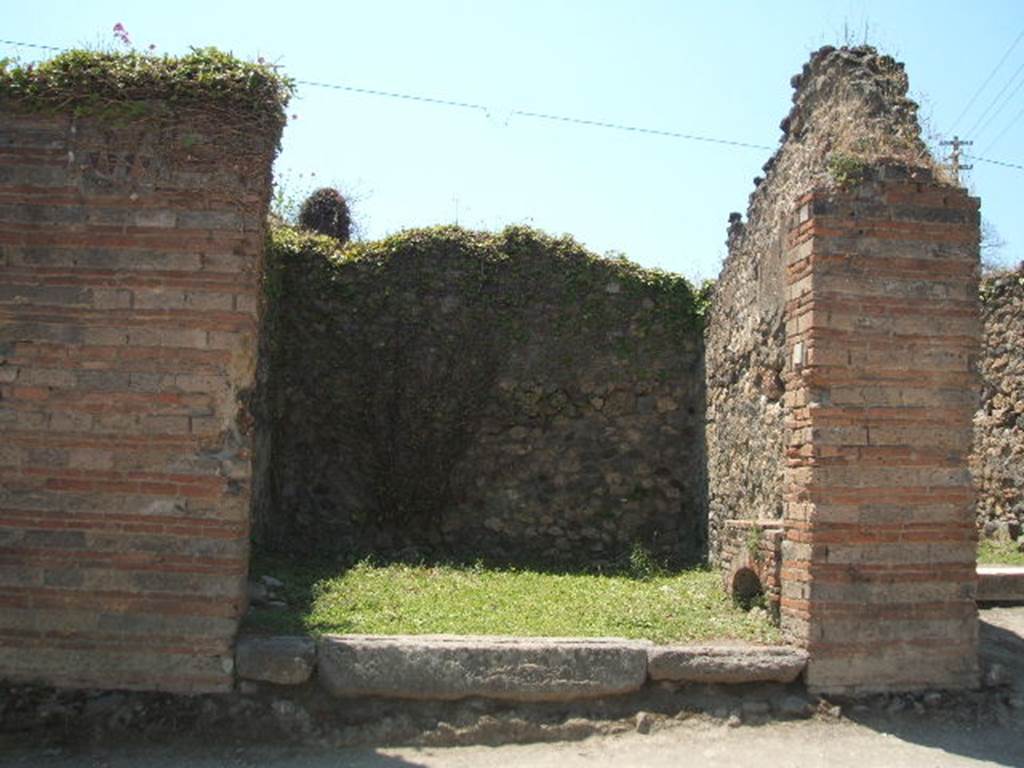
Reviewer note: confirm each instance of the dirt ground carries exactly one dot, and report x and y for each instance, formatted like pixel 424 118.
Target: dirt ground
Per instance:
pixel 903 741
pixel 933 729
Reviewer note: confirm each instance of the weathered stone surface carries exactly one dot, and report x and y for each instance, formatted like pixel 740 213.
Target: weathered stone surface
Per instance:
pixel 795 706
pixel 845 101
pixel 281 660
pixel 997 462
pixel 726 663
pixel 752 548
pixel 447 667
pixel 1000 584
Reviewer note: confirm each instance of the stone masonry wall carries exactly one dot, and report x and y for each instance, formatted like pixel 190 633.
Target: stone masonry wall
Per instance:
pixel 506 396
pixel 129 275
pixel 849 107
pixel 998 457
pixel 753 546
pixel 744 358
pixel 868 450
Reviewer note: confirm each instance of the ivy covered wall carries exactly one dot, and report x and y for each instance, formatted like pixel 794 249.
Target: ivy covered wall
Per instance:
pixel 463 394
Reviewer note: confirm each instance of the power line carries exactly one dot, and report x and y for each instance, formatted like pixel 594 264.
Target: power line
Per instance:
pixel 1003 132
pixel 638 129
pixel 536 115
pixel 996 114
pixel 31 45
pixel 995 162
pixel 1013 77
pixel 487 111
pixel 988 79
pixel 394 95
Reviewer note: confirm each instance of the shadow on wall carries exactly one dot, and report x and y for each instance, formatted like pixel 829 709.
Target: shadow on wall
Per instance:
pixel 462 394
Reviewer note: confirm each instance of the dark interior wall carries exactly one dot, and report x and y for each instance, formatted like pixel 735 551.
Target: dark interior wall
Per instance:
pixel 502 396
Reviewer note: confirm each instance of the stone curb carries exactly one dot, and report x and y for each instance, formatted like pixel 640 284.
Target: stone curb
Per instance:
pixel 446 667
pixel 449 667
pixel 726 664
pixel 1000 584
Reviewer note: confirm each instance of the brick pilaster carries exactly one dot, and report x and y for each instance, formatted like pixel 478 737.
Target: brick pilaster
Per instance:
pixel 129 276
pixel 882 334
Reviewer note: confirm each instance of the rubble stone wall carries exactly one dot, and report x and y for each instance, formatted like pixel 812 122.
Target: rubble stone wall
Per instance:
pixel 460 394
pixel 998 458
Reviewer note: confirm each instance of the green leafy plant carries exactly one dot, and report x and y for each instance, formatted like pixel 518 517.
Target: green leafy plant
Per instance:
pixel 847 170
pixel 753 541
pixel 130 84
pixel 642 564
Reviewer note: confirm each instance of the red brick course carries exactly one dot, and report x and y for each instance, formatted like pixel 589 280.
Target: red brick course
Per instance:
pixel 129 271
pixel 878 575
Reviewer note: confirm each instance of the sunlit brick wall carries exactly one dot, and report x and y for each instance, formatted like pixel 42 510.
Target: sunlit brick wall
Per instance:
pixel 129 264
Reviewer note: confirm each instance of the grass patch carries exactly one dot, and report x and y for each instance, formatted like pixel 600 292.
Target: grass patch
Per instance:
pixel 992 552
pixel 474 600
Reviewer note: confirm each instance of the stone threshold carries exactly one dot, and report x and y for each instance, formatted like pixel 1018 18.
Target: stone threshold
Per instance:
pixel 1000 584
pixel 449 667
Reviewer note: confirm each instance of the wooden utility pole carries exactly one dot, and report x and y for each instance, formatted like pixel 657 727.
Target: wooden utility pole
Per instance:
pixel 954 156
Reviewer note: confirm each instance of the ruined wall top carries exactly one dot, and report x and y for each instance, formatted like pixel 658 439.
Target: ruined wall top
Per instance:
pixel 844 96
pixel 850 112
pixel 850 108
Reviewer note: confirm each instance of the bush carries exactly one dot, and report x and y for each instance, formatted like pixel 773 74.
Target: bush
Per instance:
pixel 326 212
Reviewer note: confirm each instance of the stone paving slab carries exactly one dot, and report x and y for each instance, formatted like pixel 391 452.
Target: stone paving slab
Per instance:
pixel 726 664
pixel 1000 584
pixel 449 667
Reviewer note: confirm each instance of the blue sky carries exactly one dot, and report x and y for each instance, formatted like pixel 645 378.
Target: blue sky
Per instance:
pixel 714 69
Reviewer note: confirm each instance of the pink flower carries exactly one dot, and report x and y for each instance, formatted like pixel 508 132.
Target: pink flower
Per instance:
pixel 122 34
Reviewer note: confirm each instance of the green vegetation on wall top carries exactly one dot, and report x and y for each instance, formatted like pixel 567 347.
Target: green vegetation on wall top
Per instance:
pixel 679 302
pixel 847 170
pixel 129 84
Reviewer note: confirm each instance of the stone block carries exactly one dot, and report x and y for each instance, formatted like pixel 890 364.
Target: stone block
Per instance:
pixel 281 660
pixel 448 667
pixel 728 664
pixel 1000 583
